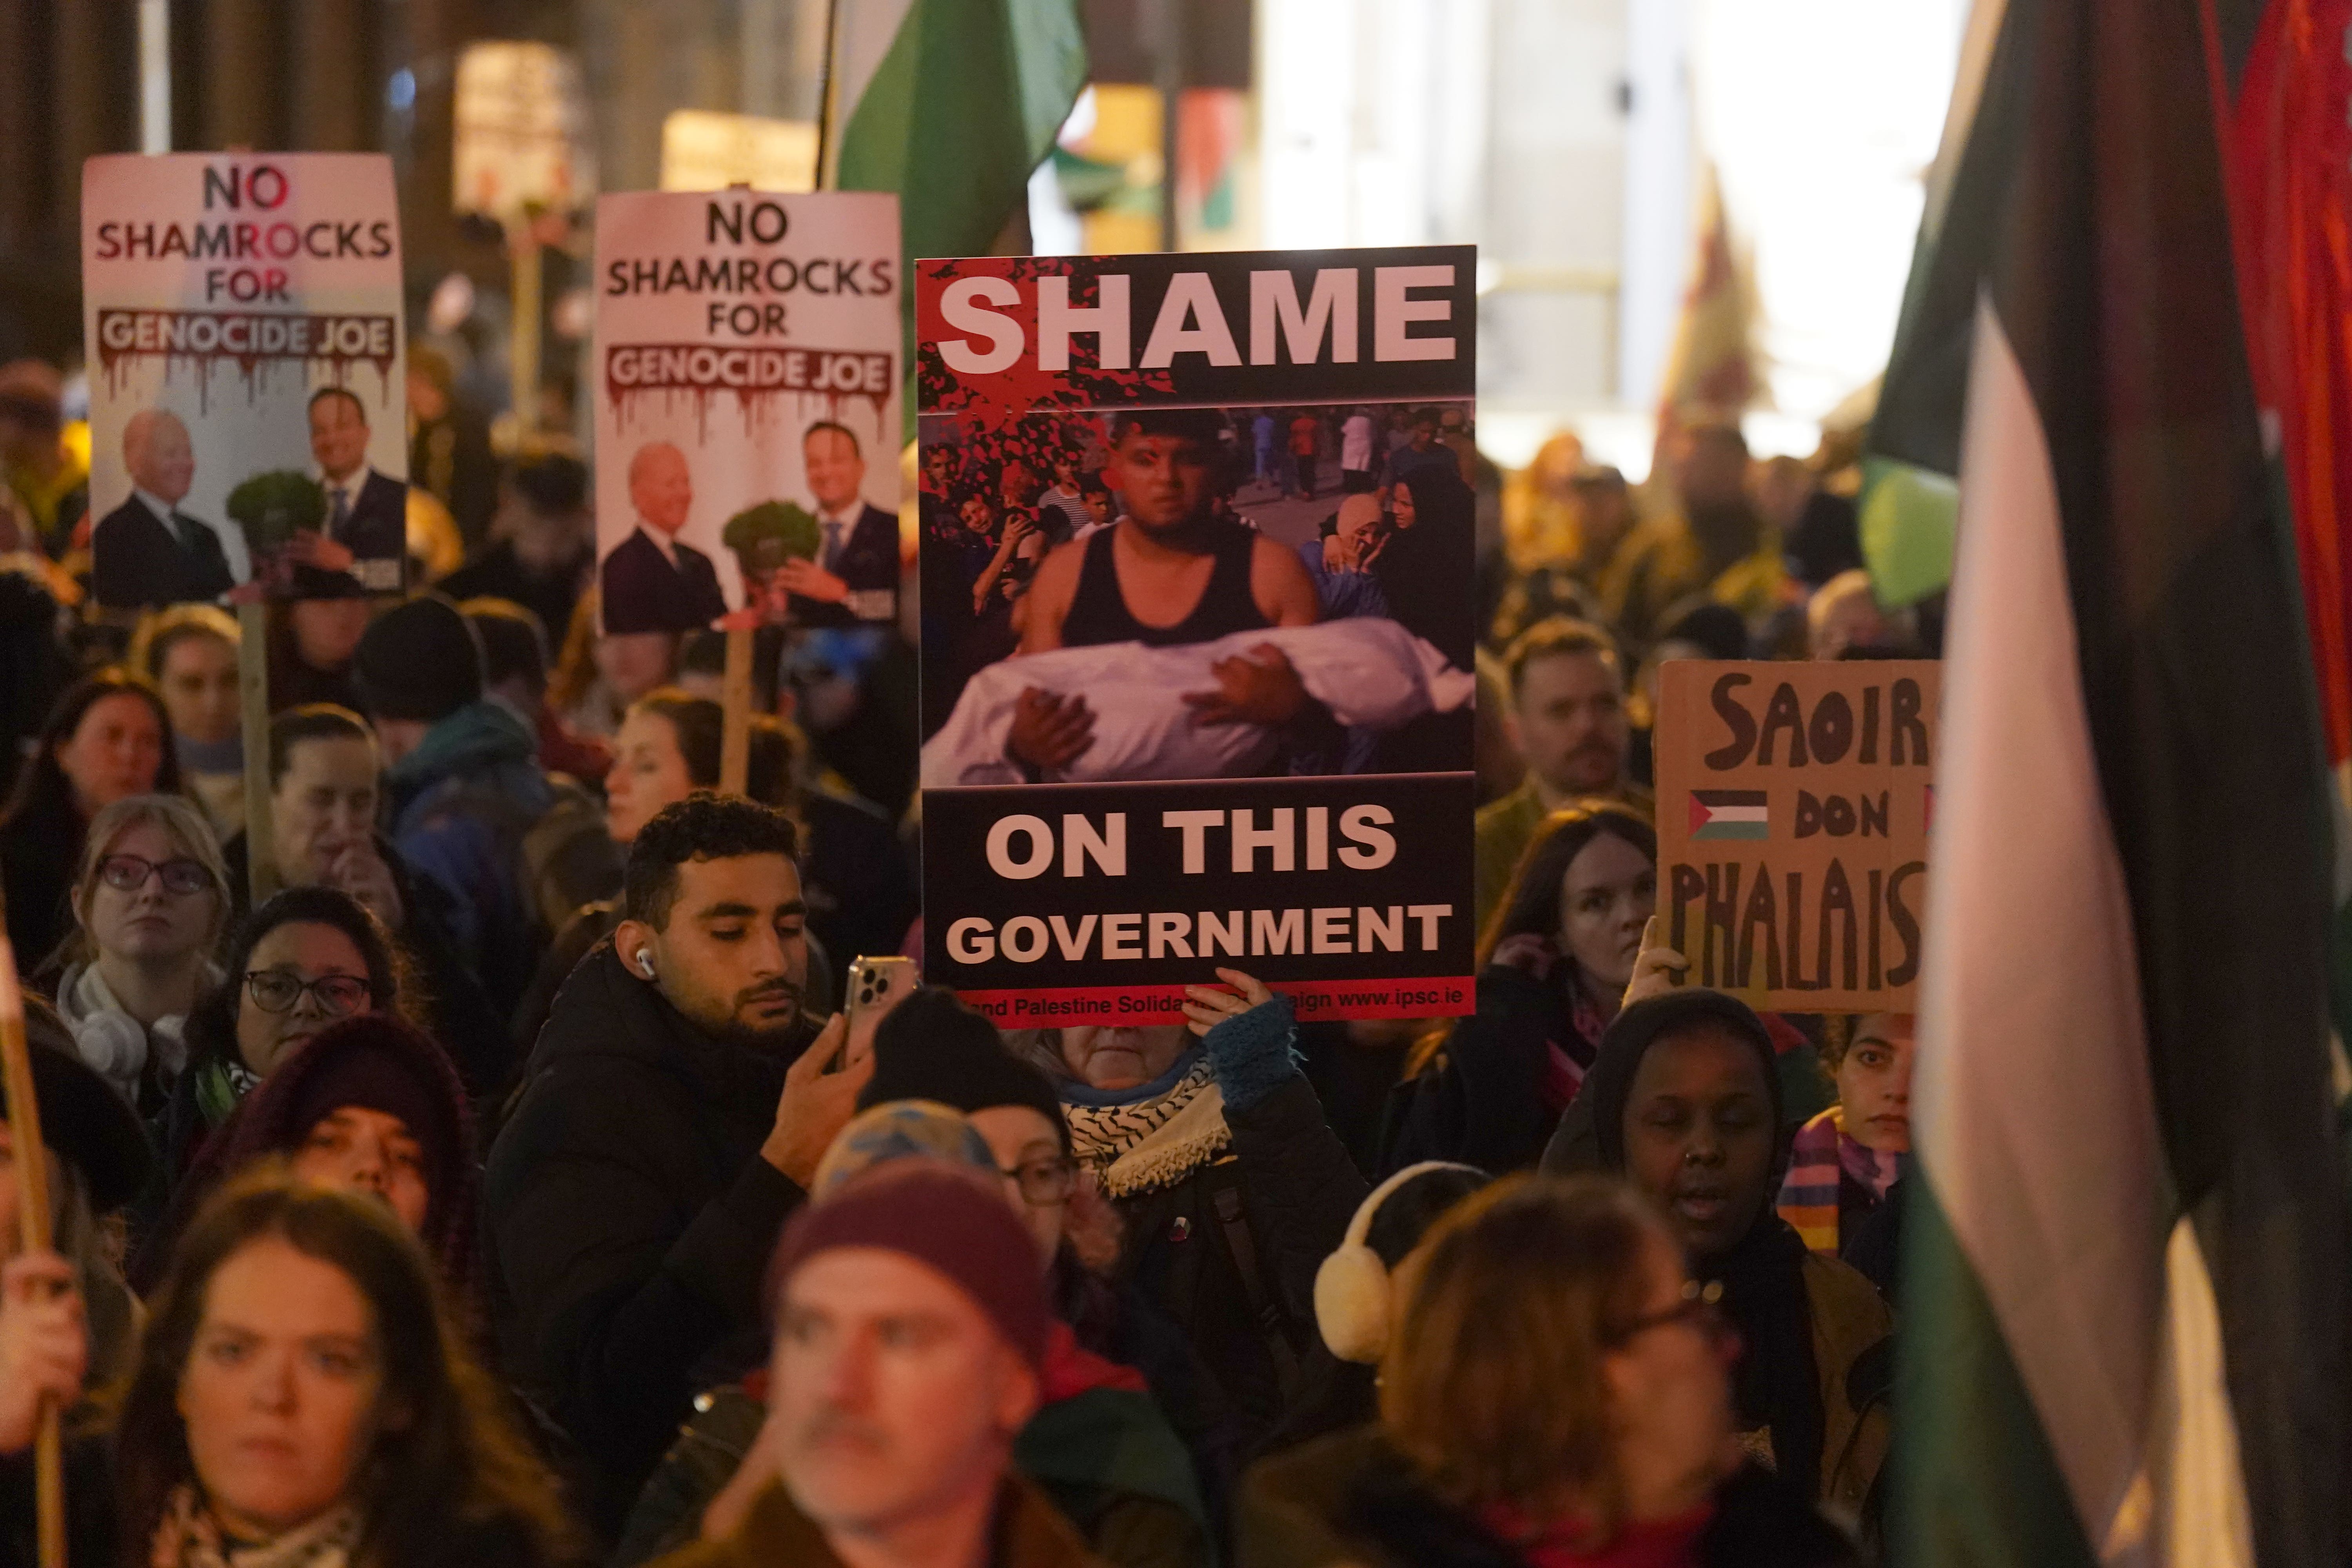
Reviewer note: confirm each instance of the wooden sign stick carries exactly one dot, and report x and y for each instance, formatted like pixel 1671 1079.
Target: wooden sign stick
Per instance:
pixel 735 738
pixel 32 1224
pixel 253 701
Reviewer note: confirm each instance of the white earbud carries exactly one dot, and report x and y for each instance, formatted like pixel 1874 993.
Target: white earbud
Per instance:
pixel 645 964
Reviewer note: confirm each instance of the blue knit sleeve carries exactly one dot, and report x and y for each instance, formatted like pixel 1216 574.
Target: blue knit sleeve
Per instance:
pixel 1253 1054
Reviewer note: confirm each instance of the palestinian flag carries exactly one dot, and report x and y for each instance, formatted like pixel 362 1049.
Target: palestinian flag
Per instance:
pixel 950 103
pixel 2125 1314
pixel 1729 813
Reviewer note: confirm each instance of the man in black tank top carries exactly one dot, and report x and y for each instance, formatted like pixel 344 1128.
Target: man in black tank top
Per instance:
pixel 1171 571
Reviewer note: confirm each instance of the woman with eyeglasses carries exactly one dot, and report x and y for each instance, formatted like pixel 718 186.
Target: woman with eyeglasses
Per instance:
pixel 1555 1395
pixel 306 958
pixel 149 903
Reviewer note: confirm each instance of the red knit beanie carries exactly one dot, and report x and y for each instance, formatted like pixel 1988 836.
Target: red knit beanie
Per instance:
pixel 939 1216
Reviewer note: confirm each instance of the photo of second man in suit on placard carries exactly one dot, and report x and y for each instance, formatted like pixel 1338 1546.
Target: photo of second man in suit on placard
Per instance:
pixel 854 576
pixel 364 545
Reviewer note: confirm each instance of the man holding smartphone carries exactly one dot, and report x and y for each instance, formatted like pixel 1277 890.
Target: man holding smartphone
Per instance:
pixel 673 1112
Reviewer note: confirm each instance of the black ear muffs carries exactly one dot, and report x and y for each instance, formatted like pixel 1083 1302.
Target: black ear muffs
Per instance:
pixel 1351 1287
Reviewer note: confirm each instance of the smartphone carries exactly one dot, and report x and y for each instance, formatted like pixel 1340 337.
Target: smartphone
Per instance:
pixel 876 985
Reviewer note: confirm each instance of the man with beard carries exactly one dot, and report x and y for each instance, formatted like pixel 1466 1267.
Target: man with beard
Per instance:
pixel 672 1114
pixel 1717 546
pixel 1567 721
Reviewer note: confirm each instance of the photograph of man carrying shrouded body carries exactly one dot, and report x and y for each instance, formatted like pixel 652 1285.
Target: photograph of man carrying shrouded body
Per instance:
pixel 1185 637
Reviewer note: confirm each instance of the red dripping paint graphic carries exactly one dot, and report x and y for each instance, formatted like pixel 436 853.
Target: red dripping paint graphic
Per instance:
pixel 1007 394
pixel 759 379
pixel 254 341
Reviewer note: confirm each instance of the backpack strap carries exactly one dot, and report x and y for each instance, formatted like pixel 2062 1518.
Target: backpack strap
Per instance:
pixel 1225 1198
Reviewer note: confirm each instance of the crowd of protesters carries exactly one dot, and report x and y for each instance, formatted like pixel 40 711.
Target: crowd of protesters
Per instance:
pixel 508 1186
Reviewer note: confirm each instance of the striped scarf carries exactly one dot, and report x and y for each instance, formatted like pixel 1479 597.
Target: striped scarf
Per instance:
pixel 1819 1157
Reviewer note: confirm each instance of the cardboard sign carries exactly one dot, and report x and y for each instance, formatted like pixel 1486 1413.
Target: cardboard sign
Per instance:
pixel 520 132
pixel 1172 719
pixel 747 410
pixel 1794 801
pixel 248 397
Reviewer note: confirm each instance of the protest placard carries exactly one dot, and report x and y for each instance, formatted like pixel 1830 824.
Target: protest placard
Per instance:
pixel 747 410
pixel 1794 801
pixel 1197 629
pixel 248 400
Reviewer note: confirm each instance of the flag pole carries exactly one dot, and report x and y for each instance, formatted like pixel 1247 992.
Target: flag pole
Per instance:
pixel 33 1225
pixel 826 179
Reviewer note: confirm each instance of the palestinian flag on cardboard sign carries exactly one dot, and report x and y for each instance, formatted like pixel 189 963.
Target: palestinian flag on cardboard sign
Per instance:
pixel 2126 1329
pixel 1729 813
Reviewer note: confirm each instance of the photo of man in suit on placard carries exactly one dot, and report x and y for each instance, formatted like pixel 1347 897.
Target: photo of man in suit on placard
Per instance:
pixel 856 574
pixel 651 582
pixel 365 544
pixel 147 551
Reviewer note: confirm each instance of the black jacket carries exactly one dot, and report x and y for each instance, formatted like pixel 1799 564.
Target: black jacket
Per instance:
pixel 40 848
pixel 1278 1201
pixel 1481 1100
pixel 1352 1500
pixel 644 592
pixel 628 1220
pixel 137 560
pixel 376 530
pixel 868 563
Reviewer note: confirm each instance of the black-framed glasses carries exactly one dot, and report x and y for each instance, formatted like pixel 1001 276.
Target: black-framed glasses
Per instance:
pixel 129 873
pixel 1043 1182
pixel 277 991
pixel 1701 1307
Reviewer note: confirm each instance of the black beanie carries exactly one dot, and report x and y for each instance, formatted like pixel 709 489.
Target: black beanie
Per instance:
pixel 932 1047
pixel 419 660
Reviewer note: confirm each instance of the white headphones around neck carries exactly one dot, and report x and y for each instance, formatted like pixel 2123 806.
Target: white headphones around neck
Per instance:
pixel 1351 1289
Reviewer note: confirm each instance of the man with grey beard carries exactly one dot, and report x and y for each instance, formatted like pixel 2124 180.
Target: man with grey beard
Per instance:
pixel 672 1113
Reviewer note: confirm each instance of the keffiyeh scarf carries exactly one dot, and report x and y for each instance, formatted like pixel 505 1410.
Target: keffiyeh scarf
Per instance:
pixel 1150 1137
pixel 189 1537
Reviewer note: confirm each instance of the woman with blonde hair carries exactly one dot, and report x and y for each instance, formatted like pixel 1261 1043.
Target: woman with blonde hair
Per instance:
pixel 1556 1395
pixel 151 899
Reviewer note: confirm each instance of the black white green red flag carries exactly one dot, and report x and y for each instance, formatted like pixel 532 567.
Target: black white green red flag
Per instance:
pixel 2126 1328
